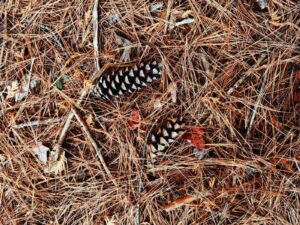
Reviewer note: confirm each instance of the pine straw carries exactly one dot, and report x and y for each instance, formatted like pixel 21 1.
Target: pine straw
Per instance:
pixel 250 179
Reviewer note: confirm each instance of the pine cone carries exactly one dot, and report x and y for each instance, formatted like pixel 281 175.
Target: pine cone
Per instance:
pixel 127 80
pixel 164 137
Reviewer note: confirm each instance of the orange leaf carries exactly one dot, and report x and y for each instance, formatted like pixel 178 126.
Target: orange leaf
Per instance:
pixel 298 75
pixel 296 96
pixel 135 119
pixel 194 136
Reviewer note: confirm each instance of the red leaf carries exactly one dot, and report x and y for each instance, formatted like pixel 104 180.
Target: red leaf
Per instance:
pixel 194 136
pixel 296 96
pixel 135 119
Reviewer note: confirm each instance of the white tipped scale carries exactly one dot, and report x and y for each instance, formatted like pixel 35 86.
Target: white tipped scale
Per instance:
pixel 165 132
pixel 110 92
pixel 155 71
pixel 104 84
pixel 148 67
pixel 142 73
pixel 159 73
pixel 160 65
pixel 135 68
pixel 170 140
pixel 149 79
pixel 131 73
pixel 123 87
pixel 154 78
pixel 117 79
pixel 108 78
pixel 95 92
pixel 98 89
pixel 101 80
pixel 127 80
pixel 121 73
pixel 176 126
pixel 153 149
pixel 143 84
pixel 154 63
pixel 113 85
pixel 174 134
pixel 169 125
pixel 120 92
pixel 152 155
pixel 160 147
pixel 133 86
pixel 153 138
pixel 163 141
pixel 142 64
pixel 137 80
pixel 126 69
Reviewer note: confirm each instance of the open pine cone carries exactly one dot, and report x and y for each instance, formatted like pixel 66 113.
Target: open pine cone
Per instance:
pixel 164 137
pixel 127 80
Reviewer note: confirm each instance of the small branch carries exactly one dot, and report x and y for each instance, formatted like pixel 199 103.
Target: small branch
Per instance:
pixel 38 123
pixel 184 22
pixel 56 152
pixel 95 39
pixel 97 149
pixel 254 112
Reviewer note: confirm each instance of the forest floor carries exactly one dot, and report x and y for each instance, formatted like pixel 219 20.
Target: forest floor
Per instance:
pixel 230 72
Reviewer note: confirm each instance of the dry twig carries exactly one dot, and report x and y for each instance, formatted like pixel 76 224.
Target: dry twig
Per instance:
pixel 97 149
pixel 38 123
pixel 96 38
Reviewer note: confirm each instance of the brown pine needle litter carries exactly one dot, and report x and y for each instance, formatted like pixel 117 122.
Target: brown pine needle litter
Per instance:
pixel 230 68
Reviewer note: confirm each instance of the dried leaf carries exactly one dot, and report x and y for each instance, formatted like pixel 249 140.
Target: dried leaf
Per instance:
pixel 56 167
pixel 90 121
pixel 41 152
pixel 135 119
pixel 195 136
pixel 20 91
pixel 199 154
pixel 2 158
pixel 172 89
pixel 113 19
pixel 110 221
pixel 12 89
pixel 275 122
pixel 180 202
pixel 156 6
pixel 296 95
pixel 127 47
pixel 157 104
pixel 262 4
